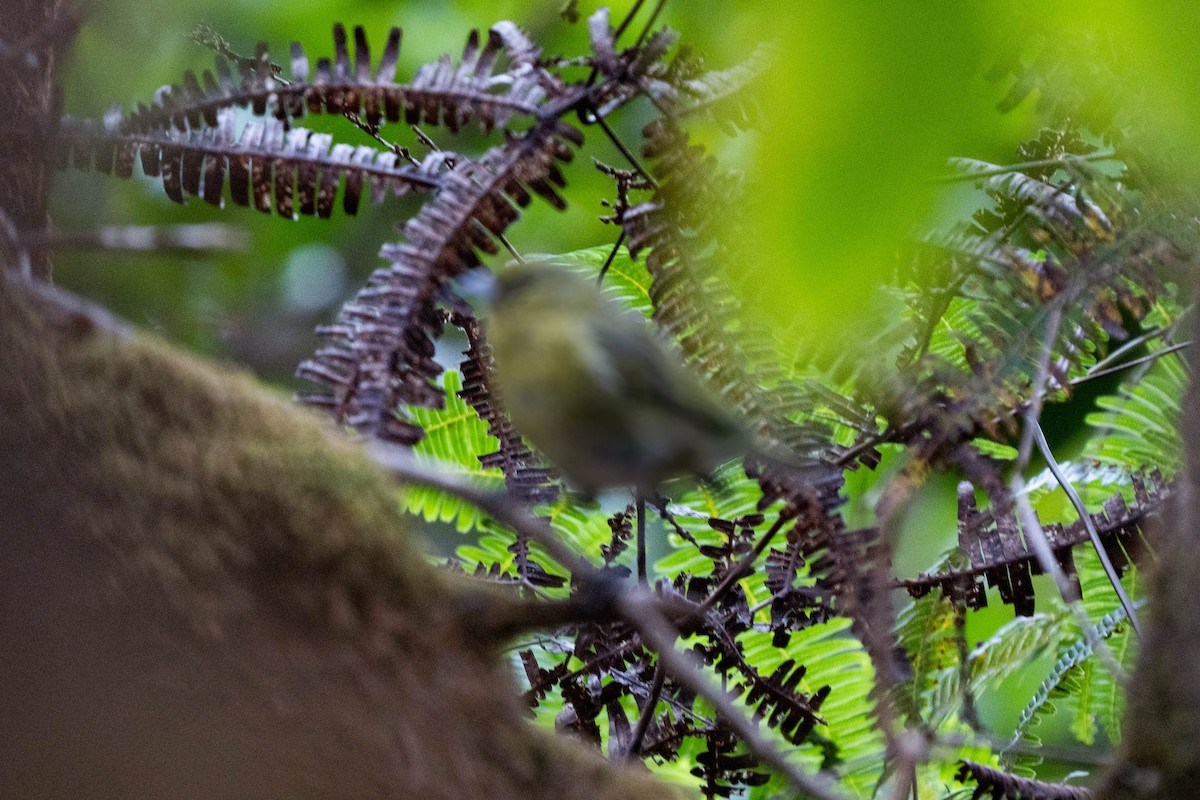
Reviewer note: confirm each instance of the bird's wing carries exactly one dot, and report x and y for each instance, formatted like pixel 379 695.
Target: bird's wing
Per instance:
pixel 648 374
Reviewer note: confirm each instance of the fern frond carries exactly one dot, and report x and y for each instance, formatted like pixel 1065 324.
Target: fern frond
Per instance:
pixel 454 435
pixel 925 629
pixel 579 526
pixel 849 742
pixel 625 279
pixel 292 171
pixel 995 550
pixel 1078 684
pixel 1006 652
pixel 1005 786
pixel 789 703
pixel 442 93
pixel 524 474
pixel 1072 663
pixel 1074 245
pixel 381 356
pixel 1139 428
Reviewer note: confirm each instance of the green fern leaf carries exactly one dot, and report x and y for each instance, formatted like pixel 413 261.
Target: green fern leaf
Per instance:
pixel 1078 684
pixel 627 280
pixel 455 437
pixel 1139 427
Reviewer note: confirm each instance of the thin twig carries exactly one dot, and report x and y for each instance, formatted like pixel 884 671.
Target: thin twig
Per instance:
pixel 658 7
pixel 428 141
pixel 612 254
pixel 628 19
pixel 641 538
pixel 1093 534
pixel 647 712
pixel 595 117
pixel 661 504
pixel 512 251
pixel 745 566
pixel 373 131
pixel 1035 537
pixel 1129 344
pixel 1157 354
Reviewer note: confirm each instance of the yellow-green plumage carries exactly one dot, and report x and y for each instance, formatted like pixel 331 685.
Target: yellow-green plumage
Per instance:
pixel 588 384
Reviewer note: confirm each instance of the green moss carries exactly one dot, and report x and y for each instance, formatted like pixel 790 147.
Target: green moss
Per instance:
pixel 203 478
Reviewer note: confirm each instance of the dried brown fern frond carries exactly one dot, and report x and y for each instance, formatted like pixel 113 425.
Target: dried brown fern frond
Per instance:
pixel 682 228
pixel 689 89
pixel 380 356
pixel 1000 785
pixel 380 353
pixel 292 171
pixel 476 89
pixel 995 551
pixel 722 767
pixel 636 70
pixel 524 475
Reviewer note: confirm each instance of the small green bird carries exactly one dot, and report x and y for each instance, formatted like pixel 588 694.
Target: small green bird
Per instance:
pixel 589 385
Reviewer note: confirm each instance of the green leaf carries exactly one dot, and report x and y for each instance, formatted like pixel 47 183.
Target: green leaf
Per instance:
pixel 455 437
pixel 1139 427
pixel 1079 684
pixel 625 279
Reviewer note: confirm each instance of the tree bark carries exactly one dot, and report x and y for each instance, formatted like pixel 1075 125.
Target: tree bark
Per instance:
pixel 32 33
